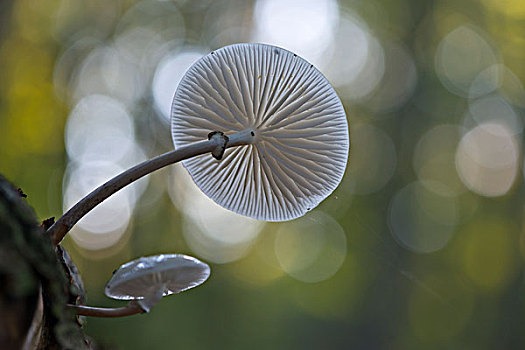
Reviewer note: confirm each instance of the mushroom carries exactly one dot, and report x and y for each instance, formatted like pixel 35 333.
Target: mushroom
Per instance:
pixel 146 280
pixel 285 117
pixel 275 127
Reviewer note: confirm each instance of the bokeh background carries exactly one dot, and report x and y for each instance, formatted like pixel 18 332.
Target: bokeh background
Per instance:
pixel 422 246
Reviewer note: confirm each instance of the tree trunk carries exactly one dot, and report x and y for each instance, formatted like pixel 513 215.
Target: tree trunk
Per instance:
pixel 36 282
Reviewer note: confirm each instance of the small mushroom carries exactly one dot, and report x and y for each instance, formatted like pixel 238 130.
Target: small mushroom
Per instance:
pixel 286 119
pixel 146 280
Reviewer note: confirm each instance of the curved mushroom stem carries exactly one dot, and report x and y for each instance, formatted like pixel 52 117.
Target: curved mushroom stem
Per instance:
pixel 131 309
pixel 216 144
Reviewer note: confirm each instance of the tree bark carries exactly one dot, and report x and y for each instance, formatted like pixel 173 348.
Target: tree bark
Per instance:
pixel 36 282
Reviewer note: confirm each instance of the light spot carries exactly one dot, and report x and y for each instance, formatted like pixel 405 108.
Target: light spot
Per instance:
pixel 487 159
pixel 358 62
pixel 495 109
pixel 461 56
pixel 434 156
pixel 312 248
pixel 304 27
pixel 398 82
pixel 423 220
pixel 107 71
pixel 99 128
pixel 168 75
pixel 106 223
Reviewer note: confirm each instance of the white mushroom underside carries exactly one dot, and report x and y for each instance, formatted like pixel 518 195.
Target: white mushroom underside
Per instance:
pixel 300 149
pixel 142 278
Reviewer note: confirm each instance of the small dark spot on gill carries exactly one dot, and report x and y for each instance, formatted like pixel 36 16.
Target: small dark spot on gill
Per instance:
pixel 252 133
pixel 276 51
pixel 311 66
pixel 308 208
pixel 213 52
pixel 294 55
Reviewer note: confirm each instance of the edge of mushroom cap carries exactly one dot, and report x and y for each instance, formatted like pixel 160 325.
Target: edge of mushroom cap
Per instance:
pixel 314 200
pixel 153 264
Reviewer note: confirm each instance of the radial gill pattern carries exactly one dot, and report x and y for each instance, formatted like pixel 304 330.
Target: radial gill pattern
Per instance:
pixel 300 144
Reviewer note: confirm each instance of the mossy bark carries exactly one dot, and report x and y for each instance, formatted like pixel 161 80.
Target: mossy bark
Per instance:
pixel 35 282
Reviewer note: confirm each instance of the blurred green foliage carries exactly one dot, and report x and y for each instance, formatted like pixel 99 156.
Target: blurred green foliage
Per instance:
pixel 469 294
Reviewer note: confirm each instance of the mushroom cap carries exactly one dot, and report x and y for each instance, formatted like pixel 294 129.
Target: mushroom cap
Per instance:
pixel 300 143
pixel 142 277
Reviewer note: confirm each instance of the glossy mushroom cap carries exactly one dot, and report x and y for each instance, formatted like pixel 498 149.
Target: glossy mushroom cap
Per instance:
pixel 292 126
pixel 158 275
